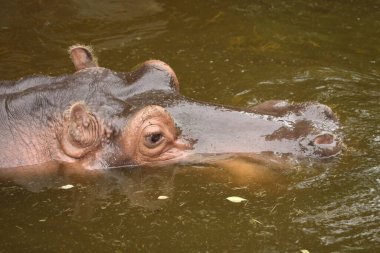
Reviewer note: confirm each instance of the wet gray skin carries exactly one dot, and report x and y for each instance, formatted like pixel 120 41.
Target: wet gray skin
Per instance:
pixel 34 113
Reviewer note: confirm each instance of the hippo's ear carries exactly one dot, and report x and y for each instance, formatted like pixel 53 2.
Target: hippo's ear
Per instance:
pixel 82 57
pixel 82 131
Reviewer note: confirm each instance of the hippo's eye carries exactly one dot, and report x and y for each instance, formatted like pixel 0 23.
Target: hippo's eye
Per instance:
pixel 153 140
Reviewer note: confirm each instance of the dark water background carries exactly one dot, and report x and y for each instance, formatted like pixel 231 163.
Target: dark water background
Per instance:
pixel 235 52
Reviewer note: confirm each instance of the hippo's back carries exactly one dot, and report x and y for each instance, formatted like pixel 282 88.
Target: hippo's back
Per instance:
pixel 9 87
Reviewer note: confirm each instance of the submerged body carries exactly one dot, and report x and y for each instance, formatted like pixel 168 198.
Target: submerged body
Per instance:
pixel 98 118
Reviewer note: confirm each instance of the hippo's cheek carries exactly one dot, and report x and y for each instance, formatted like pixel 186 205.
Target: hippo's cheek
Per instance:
pixel 177 150
pixel 170 155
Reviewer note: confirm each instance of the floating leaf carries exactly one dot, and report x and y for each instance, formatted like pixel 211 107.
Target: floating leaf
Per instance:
pixel 66 187
pixel 304 251
pixel 236 199
pixel 162 197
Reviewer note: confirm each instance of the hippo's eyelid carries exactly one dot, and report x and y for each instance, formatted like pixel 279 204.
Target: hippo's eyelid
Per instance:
pixel 152 129
pixel 156 137
pixel 153 133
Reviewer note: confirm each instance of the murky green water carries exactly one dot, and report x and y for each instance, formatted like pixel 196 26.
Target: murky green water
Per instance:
pixel 232 52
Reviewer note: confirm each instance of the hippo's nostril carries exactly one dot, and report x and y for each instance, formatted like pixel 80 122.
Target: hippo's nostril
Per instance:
pixel 324 139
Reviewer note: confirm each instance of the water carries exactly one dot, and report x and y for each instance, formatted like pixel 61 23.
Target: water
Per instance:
pixel 232 52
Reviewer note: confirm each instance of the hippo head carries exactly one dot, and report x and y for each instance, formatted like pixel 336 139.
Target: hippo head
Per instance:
pixel 147 135
pixel 139 117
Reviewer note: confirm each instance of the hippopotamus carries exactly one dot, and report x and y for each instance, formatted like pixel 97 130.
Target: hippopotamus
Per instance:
pixel 97 118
